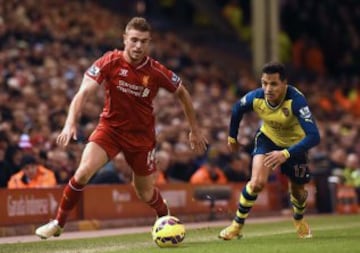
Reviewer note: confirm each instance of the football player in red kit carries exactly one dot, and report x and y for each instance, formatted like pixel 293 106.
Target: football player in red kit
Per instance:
pixel 131 80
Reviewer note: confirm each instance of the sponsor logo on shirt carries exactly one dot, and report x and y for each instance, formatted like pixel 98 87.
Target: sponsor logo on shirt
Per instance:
pixel 93 70
pixel 133 89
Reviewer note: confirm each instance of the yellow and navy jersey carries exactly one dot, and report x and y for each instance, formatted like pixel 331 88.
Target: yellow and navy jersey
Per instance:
pixel 289 125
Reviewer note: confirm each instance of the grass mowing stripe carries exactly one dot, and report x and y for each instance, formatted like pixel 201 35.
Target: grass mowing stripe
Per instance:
pixel 281 231
pixel 331 234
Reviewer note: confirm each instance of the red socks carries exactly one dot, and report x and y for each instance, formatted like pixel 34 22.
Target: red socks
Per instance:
pixel 157 203
pixel 71 196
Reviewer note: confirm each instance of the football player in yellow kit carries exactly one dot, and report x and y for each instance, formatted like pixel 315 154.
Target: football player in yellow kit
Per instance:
pixel 287 132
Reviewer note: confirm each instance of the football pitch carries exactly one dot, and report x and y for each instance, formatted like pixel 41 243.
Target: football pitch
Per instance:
pixel 331 233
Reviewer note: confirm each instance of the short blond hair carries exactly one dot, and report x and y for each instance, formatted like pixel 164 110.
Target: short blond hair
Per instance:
pixel 138 23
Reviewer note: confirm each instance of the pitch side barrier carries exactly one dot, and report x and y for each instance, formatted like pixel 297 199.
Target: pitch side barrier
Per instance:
pixel 109 202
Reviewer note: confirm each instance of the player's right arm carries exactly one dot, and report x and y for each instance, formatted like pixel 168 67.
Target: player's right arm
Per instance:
pixel 88 87
pixel 242 106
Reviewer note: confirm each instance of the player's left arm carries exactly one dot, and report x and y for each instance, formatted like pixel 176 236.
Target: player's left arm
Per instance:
pixel 197 141
pixel 302 112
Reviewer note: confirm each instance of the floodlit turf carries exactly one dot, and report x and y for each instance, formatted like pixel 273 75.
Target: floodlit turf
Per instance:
pixel 331 234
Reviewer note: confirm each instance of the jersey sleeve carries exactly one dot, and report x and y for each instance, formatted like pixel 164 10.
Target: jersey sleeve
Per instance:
pixel 166 78
pixel 302 112
pixel 242 106
pixel 97 71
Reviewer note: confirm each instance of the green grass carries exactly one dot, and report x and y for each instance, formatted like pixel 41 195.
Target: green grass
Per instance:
pixel 338 234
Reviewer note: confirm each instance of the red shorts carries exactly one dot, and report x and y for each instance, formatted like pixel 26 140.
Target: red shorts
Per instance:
pixel 140 158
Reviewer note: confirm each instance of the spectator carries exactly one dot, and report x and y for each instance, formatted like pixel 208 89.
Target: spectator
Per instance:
pixel 233 13
pixel 32 175
pixel 59 162
pixel 337 161
pixel 350 102
pixel 285 47
pixel 314 59
pixel 182 166
pixel 351 172
pixel 238 169
pixel 162 159
pixel 118 173
pixel 209 172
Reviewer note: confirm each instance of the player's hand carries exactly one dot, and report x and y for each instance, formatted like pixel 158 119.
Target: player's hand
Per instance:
pixel 274 159
pixel 198 142
pixel 234 147
pixel 65 136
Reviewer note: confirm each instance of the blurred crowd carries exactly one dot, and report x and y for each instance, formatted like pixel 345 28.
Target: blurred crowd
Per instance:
pixel 330 29
pixel 45 48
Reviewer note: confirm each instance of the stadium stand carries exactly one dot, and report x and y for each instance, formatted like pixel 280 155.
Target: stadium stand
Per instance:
pixel 45 47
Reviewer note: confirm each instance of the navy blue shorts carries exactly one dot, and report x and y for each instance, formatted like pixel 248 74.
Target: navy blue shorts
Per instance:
pixel 295 168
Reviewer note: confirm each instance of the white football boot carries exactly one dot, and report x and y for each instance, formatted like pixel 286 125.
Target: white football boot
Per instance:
pixel 48 230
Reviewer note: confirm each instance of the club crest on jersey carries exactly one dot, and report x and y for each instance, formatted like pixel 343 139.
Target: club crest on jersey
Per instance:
pixel 145 80
pixel 93 70
pixel 285 111
pixel 305 112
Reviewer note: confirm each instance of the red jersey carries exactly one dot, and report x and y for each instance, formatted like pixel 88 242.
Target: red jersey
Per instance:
pixel 129 92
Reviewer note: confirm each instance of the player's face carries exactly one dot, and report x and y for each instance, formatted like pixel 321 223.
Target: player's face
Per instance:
pixel 136 45
pixel 274 87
